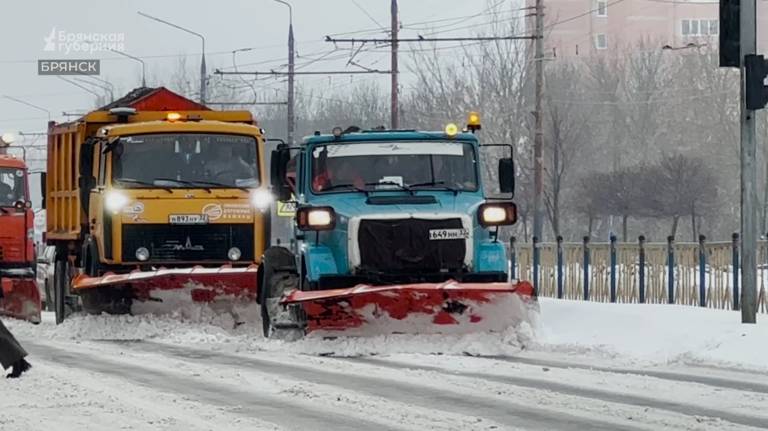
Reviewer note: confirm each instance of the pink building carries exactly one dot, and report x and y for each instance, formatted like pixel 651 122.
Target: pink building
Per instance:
pixel 586 27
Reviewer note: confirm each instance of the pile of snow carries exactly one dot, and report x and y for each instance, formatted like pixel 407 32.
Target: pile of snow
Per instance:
pixel 165 328
pixel 653 333
pixel 509 342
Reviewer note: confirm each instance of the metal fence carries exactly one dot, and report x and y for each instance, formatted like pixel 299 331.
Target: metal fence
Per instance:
pixel 704 274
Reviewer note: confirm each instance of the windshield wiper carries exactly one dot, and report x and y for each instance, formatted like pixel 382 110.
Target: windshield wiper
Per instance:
pixel 143 183
pixel 391 183
pixel 215 184
pixel 440 184
pixel 184 182
pixel 345 186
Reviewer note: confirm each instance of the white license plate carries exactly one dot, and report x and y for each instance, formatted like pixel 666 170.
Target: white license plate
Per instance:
pixel 439 234
pixel 188 219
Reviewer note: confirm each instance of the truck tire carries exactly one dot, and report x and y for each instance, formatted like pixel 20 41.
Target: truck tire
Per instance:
pixel 279 276
pixel 49 299
pixel 91 263
pixel 61 291
pixel 280 322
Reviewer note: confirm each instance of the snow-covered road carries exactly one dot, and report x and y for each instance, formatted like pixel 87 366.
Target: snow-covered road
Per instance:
pixel 157 373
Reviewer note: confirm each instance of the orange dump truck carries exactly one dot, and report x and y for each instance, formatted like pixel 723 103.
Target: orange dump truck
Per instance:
pixel 155 201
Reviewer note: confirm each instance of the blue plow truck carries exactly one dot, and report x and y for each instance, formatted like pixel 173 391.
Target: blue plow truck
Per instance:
pixel 393 233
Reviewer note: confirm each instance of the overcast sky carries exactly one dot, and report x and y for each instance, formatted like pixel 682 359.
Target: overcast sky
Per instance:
pixel 231 24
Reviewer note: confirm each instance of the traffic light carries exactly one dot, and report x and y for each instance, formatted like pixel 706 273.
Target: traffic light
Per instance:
pixel 755 69
pixel 730 28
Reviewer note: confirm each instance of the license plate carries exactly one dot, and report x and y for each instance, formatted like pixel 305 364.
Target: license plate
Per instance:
pixel 188 218
pixel 440 234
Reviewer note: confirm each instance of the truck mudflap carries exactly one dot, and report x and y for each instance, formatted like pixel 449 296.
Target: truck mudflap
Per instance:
pixel 206 285
pixel 20 299
pixel 449 307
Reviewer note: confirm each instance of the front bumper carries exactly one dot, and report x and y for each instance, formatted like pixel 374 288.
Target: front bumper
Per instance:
pixel 326 282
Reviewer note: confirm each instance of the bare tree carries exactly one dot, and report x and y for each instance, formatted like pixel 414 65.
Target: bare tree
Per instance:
pixel 565 138
pixel 687 187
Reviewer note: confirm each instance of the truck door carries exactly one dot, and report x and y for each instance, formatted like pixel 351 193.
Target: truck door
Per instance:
pixel 96 198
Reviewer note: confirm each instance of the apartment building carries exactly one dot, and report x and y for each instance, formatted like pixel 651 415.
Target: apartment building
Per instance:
pixel 588 27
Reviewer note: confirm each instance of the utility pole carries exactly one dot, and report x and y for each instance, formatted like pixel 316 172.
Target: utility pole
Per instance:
pixel 202 59
pixel 291 92
pixel 749 206
pixel 395 123
pixel 538 137
pixel 291 118
pixel 143 65
pixel 394 42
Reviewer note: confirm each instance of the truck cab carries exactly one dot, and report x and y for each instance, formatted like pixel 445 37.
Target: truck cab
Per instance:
pixel 17 250
pixel 155 196
pixel 177 193
pixel 16 215
pixel 383 208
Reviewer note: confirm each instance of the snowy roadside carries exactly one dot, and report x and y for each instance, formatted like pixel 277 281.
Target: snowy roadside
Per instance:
pixel 652 334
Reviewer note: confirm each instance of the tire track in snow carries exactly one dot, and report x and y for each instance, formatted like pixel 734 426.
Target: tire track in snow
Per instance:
pixel 721 382
pixel 271 409
pixel 504 412
pixel 603 395
pixel 56 396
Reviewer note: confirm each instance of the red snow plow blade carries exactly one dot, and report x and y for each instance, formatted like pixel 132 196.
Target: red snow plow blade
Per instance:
pixel 448 307
pixel 205 285
pixel 20 299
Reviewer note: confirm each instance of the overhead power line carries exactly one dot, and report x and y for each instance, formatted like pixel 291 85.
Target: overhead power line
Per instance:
pixel 325 72
pixel 430 39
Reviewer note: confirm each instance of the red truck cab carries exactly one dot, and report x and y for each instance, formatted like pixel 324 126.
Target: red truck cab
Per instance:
pixel 17 252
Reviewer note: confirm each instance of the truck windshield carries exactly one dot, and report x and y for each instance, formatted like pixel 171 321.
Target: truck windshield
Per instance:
pixel 409 166
pixel 12 187
pixel 185 161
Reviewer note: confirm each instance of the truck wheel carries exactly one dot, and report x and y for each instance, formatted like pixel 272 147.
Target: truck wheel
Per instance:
pixel 49 300
pixel 91 262
pixel 61 291
pixel 278 321
pixel 278 275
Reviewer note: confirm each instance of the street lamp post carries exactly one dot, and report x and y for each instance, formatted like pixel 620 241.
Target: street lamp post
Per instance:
pixel 291 118
pixel 143 65
pixel 202 60
pixel 39 108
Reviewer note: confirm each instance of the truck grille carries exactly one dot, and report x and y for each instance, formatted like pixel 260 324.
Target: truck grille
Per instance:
pixel 404 246
pixel 188 243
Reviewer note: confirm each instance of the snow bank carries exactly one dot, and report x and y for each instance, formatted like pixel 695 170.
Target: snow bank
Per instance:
pixel 653 333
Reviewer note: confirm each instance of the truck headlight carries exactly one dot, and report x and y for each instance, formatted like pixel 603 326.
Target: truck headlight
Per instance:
pixel 316 218
pixel 114 201
pixel 261 199
pixel 497 214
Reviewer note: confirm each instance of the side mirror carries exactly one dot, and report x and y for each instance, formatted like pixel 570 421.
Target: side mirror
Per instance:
pixel 43 189
pixel 507 175
pixel 278 170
